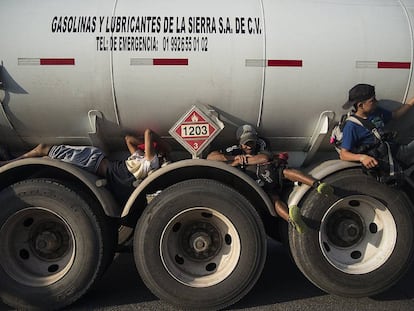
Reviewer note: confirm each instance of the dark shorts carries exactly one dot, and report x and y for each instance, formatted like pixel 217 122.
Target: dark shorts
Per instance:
pixel 120 180
pixel 86 157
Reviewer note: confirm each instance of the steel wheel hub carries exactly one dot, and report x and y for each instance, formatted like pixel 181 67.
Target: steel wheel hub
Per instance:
pixel 358 234
pixel 200 247
pixel 37 247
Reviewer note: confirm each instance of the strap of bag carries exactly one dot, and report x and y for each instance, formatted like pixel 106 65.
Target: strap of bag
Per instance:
pixel 390 159
pixel 367 124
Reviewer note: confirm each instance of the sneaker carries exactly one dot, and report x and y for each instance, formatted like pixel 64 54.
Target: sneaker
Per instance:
pixel 325 189
pixel 4 153
pixel 295 218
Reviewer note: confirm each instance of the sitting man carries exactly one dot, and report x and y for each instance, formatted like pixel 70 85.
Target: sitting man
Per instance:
pixel 358 140
pixel 121 174
pixel 253 152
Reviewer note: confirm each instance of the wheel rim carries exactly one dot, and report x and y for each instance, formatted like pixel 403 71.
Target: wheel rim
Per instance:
pixel 37 247
pixel 200 247
pixel 358 234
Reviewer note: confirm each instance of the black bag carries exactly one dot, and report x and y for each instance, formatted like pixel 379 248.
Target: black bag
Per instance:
pixel 388 169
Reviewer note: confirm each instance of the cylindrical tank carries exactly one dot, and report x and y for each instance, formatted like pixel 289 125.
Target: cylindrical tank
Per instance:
pixel 274 64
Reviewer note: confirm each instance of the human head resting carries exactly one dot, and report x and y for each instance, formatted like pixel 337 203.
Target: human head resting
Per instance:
pixel 246 133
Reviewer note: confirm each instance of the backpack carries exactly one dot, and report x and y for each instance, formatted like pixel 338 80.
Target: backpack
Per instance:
pixel 337 131
pixel 269 175
pixel 381 150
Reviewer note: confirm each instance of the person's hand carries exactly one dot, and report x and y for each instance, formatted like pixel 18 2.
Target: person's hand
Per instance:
pixel 410 102
pixel 368 161
pixel 240 160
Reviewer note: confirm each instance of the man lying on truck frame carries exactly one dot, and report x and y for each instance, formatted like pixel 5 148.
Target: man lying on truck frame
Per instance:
pixel 120 174
pixel 253 152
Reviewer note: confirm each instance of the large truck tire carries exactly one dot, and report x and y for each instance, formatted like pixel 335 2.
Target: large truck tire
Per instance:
pixel 52 245
pixel 360 240
pixel 200 245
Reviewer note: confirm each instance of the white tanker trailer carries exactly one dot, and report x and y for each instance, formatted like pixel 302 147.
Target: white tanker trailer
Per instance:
pixel 86 72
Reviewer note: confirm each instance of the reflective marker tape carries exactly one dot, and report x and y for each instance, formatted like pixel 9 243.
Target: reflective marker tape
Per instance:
pixel 394 65
pixel 364 64
pixel 28 61
pixel 46 61
pixel 57 61
pixel 170 61
pixel 284 63
pixel 383 65
pixel 141 62
pixel 273 63
pixel 255 63
pixel 159 61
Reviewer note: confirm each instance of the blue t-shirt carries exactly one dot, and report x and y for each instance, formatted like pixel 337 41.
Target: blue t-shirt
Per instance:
pixel 355 135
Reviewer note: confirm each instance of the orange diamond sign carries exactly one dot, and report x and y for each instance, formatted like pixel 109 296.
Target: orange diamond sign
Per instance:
pixel 196 129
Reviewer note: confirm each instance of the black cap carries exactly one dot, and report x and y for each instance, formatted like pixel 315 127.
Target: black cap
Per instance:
pixel 247 137
pixel 359 93
pixel 246 133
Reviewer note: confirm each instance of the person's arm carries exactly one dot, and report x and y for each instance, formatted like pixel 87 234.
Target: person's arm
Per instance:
pixel 350 139
pixel 132 143
pixel 162 146
pixel 218 156
pixel 250 159
pixel 403 109
pixel 150 137
pixel 366 160
pixel 149 144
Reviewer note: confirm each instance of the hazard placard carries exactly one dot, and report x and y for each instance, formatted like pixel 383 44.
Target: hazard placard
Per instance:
pixel 196 129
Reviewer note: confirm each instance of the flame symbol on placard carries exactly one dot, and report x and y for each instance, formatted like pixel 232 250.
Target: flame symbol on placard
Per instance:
pixel 194 118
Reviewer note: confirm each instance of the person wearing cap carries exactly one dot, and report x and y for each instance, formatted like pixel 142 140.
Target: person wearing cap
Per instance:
pixel 251 150
pixel 254 157
pixel 362 99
